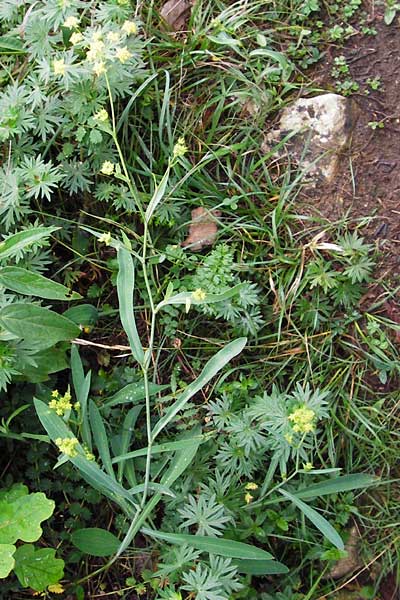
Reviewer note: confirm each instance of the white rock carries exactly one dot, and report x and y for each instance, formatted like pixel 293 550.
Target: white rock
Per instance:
pixel 322 128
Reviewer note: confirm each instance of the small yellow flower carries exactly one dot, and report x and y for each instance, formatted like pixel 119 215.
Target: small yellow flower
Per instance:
pixel 96 51
pixel 308 466
pixel 71 22
pixel 107 168
pixel 101 115
pixel 302 419
pixel 123 54
pixel 113 36
pixel 97 35
pixel 99 68
pixel 56 588
pixel 77 406
pixel 248 498
pixel 180 148
pixel 289 438
pixel 251 486
pixel 76 37
pixel 105 237
pixel 199 295
pixel 88 454
pixel 59 66
pixel 68 446
pixel 60 404
pixel 129 27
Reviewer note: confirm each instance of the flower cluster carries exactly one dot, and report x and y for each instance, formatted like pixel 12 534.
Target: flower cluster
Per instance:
pixel 61 404
pixel 302 419
pixel 68 446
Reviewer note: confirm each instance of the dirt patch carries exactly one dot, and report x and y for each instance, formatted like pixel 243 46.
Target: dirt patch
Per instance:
pixel 368 182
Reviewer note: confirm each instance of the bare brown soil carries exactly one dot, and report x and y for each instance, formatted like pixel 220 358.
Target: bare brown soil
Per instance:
pixel 368 181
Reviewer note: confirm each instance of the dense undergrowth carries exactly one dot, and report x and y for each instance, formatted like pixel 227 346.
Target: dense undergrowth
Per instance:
pixel 226 416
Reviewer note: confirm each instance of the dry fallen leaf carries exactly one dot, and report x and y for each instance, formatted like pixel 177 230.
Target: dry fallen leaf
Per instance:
pixel 202 229
pixel 347 565
pixel 176 13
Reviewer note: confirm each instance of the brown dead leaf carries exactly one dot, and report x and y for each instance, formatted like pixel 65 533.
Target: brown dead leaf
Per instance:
pixel 202 230
pixel 176 13
pixel 347 565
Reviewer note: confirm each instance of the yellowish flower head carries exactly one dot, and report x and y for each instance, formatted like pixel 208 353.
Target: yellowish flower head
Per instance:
pixel 308 466
pixel 99 68
pixel 130 28
pixel 67 446
pixel 95 51
pixel 71 22
pixel 180 148
pixel 101 115
pixel 248 498
pixel 59 66
pixel 105 238
pixel 56 588
pixel 251 486
pixel 75 38
pixel 199 295
pixel 123 54
pixel 289 438
pixel 60 404
pixel 302 419
pixel 107 168
pixel 113 36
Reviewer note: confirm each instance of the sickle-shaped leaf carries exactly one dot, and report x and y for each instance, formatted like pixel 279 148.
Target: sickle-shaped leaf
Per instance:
pixel 219 546
pixel 318 520
pixel 212 367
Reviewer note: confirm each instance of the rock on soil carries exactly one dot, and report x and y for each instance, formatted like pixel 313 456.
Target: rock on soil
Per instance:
pixel 322 128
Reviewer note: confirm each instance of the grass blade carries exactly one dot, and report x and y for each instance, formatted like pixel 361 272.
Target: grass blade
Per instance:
pixel 100 438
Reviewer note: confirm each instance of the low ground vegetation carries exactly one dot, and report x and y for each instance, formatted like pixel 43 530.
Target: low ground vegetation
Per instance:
pixel 211 416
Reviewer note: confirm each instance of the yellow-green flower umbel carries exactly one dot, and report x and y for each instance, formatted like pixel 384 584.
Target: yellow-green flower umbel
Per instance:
pixel 302 419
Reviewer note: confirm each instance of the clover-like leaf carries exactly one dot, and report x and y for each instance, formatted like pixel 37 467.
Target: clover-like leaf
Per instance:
pixel 37 569
pixel 20 519
pixel 6 559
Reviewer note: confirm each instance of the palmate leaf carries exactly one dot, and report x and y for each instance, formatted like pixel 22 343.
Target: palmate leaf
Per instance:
pixel 20 519
pixel 37 568
pixel 6 559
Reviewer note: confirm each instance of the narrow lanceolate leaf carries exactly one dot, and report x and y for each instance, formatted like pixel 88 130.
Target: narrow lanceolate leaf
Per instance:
pixel 125 288
pixel 213 366
pixel 316 519
pixel 95 541
pixel 13 245
pixel 90 470
pixel 157 196
pixel 160 448
pixel 40 327
pixel 132 393
pixel 26 282
pixel 100 437
pixel 82 387
pixel 179 463
pixel 261 567
pixel 337 484
pixel 219 546
pixel 196 299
